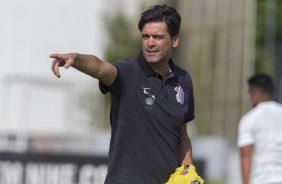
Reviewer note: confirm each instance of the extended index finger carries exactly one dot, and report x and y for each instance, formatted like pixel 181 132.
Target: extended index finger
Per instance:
pixel 57 56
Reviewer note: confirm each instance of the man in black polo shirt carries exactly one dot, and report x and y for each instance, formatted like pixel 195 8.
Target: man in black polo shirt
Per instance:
pixel 151 102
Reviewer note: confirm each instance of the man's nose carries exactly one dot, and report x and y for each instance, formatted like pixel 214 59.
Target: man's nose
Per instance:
pixel 151 41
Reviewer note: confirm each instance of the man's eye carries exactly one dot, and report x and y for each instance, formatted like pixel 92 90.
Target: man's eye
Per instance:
pixel 145 37
pixel 159 37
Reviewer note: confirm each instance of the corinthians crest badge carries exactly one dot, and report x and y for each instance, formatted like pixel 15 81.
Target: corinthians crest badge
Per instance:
pixel 179 94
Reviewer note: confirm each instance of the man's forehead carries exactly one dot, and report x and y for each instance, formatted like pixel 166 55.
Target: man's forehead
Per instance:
pixel 155 26
pixel 155 29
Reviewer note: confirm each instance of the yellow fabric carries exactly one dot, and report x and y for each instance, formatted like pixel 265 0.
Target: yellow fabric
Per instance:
pixel 190 178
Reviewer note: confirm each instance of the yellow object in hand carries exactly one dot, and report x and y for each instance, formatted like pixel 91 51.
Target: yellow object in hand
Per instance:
pixel 181 176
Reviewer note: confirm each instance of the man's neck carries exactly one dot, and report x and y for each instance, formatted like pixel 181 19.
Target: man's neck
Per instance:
pixel 263 100
pixel 161 68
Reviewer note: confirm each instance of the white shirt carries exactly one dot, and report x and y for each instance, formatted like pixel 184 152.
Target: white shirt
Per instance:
pixel 262 128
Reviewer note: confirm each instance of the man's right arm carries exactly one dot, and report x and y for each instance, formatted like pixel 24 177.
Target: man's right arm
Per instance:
pixel 246 159
pixel 88 64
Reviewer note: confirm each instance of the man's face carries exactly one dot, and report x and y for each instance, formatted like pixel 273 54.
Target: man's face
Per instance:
pixel 253 95
pixel 157 44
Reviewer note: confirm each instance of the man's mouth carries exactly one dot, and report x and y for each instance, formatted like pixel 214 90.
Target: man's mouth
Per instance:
pixel 152 52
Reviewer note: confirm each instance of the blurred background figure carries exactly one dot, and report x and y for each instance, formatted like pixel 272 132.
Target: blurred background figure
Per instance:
pixel 259 135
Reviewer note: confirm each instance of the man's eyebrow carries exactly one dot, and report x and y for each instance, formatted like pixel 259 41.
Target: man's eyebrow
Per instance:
pixel 153 35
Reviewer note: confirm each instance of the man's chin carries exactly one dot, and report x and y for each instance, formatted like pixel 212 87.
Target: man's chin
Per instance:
pixel 150 59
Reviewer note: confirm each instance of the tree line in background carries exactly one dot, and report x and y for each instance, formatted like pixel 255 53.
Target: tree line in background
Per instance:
pixel 268 34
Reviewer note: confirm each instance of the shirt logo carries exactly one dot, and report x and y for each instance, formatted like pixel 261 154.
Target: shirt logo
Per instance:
pixel 145 90
pixel 150 99
pixel 179 94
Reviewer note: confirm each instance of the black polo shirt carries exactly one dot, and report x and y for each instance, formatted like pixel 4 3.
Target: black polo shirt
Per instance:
pixel 146 114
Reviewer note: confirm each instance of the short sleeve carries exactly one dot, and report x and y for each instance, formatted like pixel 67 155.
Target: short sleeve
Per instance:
pixel 117 84
pixel 245 132
pixel 123 68
pixel 190 114
pixel 114 87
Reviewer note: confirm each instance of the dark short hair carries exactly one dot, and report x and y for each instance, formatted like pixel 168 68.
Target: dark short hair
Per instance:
pixel 162 13
pixel 262 82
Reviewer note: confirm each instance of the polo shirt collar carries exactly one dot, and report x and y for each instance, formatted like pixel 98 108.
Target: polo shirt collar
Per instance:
pixel 147 70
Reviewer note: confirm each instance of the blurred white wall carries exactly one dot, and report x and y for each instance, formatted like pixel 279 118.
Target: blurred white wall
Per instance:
pixel 32 99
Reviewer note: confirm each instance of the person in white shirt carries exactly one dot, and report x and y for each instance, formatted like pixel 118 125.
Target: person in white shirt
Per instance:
pixel 260 135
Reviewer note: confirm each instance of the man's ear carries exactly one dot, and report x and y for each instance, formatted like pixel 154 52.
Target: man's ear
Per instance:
pixel 175 41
